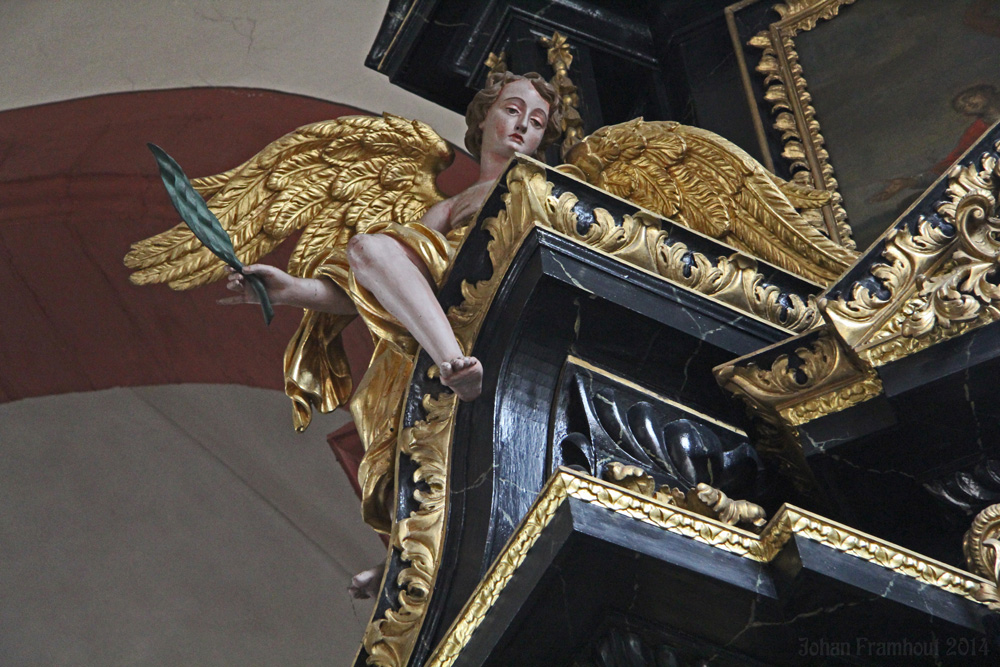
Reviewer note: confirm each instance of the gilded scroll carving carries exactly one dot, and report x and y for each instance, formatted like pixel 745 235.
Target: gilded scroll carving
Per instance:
pixel 640 241
pixel 981 545
pixel 819 378
pixel 937 285
pixel 389 640
pixel 907 255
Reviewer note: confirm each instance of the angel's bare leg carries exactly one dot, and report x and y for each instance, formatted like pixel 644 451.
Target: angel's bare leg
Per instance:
pixel 402 284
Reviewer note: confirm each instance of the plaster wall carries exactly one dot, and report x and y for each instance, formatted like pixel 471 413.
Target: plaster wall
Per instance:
pixel 52 50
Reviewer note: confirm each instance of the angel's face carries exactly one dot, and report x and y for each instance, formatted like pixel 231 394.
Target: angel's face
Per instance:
pixel 516 121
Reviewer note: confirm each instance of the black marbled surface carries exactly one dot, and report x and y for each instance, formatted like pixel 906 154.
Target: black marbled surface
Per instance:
pixel 592 569
pixel 561 300
pixel 663 60
pixel 896 466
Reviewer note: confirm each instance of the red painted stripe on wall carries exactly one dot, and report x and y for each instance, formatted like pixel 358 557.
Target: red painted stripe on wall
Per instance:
pixel 78 186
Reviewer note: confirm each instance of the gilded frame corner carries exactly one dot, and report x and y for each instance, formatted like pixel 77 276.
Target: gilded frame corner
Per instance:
pixel 792 113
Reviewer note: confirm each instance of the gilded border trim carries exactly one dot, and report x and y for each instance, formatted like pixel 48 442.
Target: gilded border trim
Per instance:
pixel 794 115
pixel 389 640
pixel 789 521
pixel 639 241
pixel 939 284
pixel 820 377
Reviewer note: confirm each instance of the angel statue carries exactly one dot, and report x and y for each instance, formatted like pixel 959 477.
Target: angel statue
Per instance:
pixel 378 237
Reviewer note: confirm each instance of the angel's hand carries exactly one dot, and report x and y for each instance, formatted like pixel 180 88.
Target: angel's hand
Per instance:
pixel 468 203
pixel 280 285
pixel 287 290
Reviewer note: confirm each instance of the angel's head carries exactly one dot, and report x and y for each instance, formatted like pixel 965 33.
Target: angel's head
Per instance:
pixel 514 112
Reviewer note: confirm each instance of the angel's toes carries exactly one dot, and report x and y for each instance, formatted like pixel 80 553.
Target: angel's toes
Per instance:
pixel 465 377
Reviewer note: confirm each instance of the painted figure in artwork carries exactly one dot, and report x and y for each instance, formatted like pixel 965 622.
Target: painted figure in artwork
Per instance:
pixel 980 103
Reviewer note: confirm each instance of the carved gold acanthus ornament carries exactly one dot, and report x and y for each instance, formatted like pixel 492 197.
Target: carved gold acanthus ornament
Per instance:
pixel 638 240
pixel 982 554
pixel 788 522
pixel 936 285
pixel 389 640
pixel 821 378
pixel 794 116
pixel 703 499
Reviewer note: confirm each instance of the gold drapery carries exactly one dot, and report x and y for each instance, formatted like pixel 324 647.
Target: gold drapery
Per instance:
pixel 316 371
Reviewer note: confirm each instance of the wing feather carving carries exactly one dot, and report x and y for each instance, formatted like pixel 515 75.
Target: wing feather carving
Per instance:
pixel 703 181
pixel 329 179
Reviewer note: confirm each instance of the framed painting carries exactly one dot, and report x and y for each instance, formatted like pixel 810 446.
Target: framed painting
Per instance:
pixel 872 100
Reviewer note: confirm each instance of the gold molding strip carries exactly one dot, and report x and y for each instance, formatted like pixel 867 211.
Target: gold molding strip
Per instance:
pixel 794 116
pixel 789 521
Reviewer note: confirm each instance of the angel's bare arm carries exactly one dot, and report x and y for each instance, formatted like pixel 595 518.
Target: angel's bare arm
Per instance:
pixel 438 217
pixel 286 290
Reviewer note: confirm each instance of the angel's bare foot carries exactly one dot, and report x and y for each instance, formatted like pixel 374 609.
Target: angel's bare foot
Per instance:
pixel 464 375
pixel 365 584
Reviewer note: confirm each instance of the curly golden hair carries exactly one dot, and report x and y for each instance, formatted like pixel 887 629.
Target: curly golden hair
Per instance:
pixel 484 99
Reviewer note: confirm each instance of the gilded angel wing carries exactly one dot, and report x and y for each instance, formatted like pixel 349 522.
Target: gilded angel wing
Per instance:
pixel 331 179
pixel 700 180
